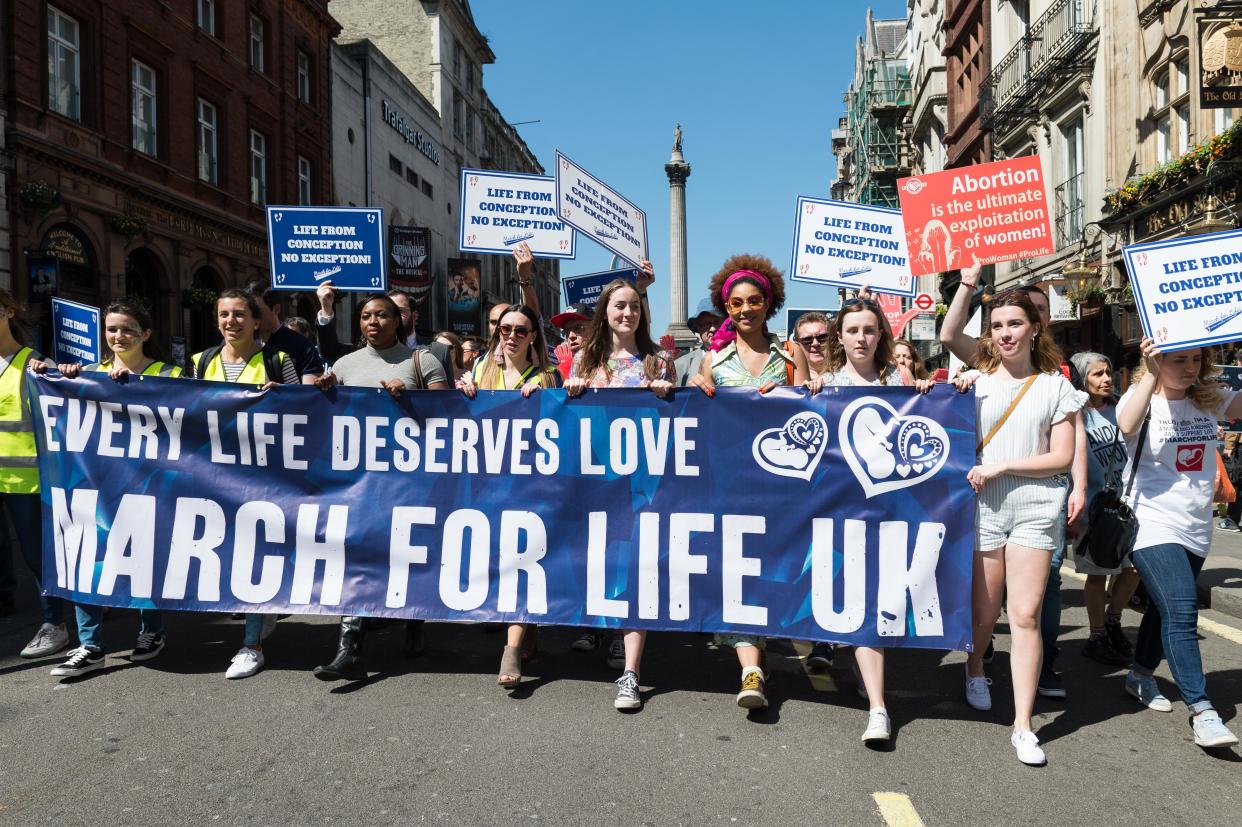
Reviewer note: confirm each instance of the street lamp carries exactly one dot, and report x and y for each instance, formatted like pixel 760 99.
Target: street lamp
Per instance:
pixel 1210 221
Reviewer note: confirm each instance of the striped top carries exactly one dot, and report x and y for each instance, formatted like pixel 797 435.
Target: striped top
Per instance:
pixel 1026 432
pixel 728 370
pixel 889 376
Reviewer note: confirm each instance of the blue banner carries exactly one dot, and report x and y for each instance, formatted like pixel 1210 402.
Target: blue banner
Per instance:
pixel 310 245
pixel 586 289
pixel 845 516
pixel 75 332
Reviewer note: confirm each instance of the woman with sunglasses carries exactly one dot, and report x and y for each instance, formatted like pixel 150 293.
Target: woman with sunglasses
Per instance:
pixel 618 352
pixel 862 355
pixel 1026 418
pixel 516 359
pixel 384 361
pixel 127 330
pixel 749 290
pixel 812 332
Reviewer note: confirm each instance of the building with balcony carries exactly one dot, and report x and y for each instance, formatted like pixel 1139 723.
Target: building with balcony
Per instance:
pixel 1047 95
pixel 874 146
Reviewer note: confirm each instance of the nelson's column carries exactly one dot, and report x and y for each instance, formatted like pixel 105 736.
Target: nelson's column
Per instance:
pixel 677 171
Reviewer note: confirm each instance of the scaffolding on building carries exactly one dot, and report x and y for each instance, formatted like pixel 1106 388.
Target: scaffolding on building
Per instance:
pixel 877 105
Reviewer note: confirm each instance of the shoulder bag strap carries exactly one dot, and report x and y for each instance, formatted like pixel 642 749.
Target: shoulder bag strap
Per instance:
pixel 419 382
pixel 1026 386
pixel 1138 453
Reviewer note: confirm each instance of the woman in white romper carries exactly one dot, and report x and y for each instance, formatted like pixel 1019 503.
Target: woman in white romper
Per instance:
pixel 1021 487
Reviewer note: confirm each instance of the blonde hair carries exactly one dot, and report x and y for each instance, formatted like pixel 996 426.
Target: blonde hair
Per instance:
pixel 1206 393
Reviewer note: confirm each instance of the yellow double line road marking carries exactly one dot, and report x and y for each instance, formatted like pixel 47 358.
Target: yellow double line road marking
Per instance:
pixel 897 810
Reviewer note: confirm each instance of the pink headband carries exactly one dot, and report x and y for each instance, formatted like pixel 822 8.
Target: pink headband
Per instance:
pixel 725 333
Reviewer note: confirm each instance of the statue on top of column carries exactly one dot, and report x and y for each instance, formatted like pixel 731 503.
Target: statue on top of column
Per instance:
pixel 677 138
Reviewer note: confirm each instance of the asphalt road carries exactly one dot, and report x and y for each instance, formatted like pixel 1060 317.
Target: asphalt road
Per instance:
pixel 434 740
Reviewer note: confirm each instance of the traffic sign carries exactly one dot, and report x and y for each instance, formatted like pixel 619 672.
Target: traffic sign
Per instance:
pixel 924 303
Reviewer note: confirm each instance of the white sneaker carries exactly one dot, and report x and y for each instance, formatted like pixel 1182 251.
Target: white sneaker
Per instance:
pixel 269 626
pixel 879 728
pixel 1027 746
pixel 1144 688
pixel 245 663
pixel 47 641
pixel 1210 731
pixel 977 693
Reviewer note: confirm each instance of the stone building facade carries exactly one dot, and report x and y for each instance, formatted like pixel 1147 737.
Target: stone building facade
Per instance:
pixel 146 139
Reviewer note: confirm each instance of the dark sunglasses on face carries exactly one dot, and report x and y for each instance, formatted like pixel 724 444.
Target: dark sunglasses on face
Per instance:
pixel 860 303
pixel 819 339
pixel 514 330
pixel 753 302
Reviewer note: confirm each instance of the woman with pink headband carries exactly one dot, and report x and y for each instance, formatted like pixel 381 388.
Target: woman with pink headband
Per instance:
pixel 749 290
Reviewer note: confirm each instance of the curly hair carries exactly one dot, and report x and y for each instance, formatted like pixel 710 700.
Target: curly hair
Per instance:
pixel 746 261
pixel 1045 355
pixel 1206 393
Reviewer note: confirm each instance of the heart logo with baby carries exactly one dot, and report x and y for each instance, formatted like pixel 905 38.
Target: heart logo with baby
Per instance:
pixel 794 449
pixel 888 451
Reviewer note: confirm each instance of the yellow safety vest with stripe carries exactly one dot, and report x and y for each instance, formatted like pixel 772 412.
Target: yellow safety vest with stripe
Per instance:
pixel 476 373
pixel 258 370
pixel 19 470
pixel 153 369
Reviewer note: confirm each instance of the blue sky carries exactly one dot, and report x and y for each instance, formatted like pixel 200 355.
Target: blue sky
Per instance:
pixel 757 89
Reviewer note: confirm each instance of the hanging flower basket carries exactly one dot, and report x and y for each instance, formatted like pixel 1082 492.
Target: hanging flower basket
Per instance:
pixel 39 196
pixel 1194 162
pixel 129 226
pixel 198 297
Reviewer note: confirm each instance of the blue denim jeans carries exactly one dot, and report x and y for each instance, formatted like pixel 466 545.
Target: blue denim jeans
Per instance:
pixel 254 630
pixel 1169 625
pixel 25 512
pixel 1050 611
pixel 89 618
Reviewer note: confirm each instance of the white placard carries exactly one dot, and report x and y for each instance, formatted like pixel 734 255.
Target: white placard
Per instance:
pixel 500 210
pixel 849 245
pixel 923 329
pixel 1188 290
pixel 1060 308
pixel 593 208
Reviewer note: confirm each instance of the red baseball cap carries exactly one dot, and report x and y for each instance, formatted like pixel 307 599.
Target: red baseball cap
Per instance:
pixel 575 312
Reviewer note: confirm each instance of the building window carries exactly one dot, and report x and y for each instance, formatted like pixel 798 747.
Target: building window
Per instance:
pixel 304 181
pixel 208 130
pixel 304 77
pixel 258 168
pixel 470 75
pixel 142 85
pixel 207 15
pixel 427 190
pixel 1171 101
pixel 256 42
pixel 469 129
pixel 64 90
pixel 412 177
pixel 1070 194
pixel 1222 119
pixel 394 164
pixel 456 59
pixel 459 115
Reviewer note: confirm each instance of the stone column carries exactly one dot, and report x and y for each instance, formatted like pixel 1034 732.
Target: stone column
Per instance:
pixel 677 171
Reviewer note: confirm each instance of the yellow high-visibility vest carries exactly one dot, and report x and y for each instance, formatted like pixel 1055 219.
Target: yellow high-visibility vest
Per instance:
pixel 19 470
pixel 153 369
pixel 255 373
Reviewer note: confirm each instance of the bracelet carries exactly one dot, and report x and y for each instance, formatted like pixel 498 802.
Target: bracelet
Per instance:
pixel 965 283
pixel 523 284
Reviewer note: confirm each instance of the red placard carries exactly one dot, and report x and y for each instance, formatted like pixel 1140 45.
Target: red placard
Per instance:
pixel 989 212
pixel 893 314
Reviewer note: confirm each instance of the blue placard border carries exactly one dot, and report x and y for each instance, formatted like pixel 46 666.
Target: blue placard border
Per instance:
pixel 383 257
pixel 491 173
pixel 57 301
pixel 793 263
pixel 588 233
pixel 565 290
pixel 1128 252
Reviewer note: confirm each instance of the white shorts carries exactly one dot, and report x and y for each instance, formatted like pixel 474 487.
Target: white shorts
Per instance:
pixel 1024 511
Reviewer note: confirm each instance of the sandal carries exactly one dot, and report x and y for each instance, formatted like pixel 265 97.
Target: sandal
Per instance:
pixel 510 668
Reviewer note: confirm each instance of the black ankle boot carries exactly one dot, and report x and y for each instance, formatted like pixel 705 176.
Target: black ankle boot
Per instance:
pixel 347 665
